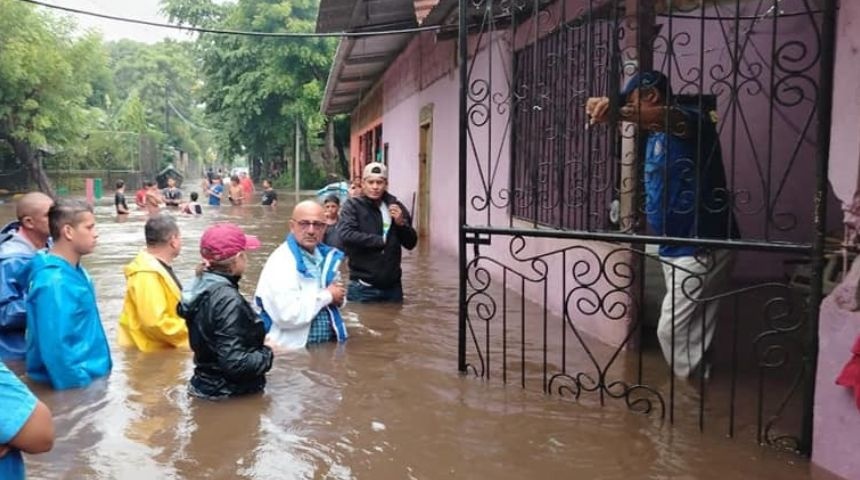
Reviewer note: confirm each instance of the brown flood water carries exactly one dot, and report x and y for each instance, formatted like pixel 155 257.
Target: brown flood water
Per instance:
pixel 389 404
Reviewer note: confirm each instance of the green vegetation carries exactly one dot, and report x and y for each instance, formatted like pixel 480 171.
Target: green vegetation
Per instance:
pixel 69 100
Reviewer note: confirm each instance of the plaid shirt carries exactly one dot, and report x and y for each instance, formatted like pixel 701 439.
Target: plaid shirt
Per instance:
pixel 321 330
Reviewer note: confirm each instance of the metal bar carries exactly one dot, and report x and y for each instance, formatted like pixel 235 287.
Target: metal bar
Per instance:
pixel 505 325
pixel 462 149
pixel 824 109
pixel 783 247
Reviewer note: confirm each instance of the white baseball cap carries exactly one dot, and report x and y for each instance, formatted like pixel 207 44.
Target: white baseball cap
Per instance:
pixel 375 169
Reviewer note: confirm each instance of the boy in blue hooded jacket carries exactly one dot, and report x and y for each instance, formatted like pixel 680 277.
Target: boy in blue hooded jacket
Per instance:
pixel 66 343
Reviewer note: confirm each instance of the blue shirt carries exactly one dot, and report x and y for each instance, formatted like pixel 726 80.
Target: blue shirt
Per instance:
pixel 685 188
pixel 213 199
pixel 17 404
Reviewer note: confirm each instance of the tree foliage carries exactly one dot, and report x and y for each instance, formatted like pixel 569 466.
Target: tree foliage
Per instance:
pixel 48 78
pixel 257 87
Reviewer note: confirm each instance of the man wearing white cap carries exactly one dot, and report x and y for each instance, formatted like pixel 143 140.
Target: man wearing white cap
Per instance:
pixel 374 228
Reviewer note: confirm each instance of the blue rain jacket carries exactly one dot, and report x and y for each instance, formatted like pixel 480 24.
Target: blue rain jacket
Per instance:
pixel 15 255
pixel 66 343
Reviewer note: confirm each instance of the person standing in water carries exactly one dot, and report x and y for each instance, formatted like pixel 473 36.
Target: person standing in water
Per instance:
pixel 299 292
pixel 269 196
pixel 119 199
pixel 331 205
pixel 375 227
pixel 215 191
pixel 149 321
pixel 172 195
pixel 19 242
pixel 66 343
pixel 227 336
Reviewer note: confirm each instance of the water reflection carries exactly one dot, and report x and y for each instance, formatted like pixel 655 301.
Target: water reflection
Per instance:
pixel 388 404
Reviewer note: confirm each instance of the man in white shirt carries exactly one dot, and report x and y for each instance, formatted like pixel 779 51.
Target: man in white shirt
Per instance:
pixel 299 292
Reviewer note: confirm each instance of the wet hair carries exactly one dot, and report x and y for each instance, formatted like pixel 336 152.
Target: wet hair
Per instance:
pixel 194 196
pixel 234 179
pixel 66 212
pixel 332 199
pixel 159 229
pixel 119 184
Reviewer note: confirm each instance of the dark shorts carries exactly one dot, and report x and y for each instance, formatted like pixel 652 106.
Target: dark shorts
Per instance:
pixel 362 293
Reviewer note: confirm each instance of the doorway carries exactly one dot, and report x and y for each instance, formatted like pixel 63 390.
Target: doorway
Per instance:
pixel 425 149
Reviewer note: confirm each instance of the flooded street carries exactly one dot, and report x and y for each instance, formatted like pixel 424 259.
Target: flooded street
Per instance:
pixel 389 404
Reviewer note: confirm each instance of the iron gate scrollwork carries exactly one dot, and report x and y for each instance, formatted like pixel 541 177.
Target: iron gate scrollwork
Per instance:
pixel 562 271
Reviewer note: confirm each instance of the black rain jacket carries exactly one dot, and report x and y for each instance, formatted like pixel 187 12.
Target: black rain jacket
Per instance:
pixel 373 259
pixel 226 336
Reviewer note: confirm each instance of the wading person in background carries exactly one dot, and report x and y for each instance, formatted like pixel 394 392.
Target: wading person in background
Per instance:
pixel 235 193
pixel 119 199
pixel 332 219
pixel 149 321
pixel 26 425
pixel 224 331
pixel 66 344
pixel 193 207
pixel 269 196
pixel 153 198
pixel 215 191
pixel 19 242
pixel 299 291
pixel 172 195
pixel 675 152
pixel 247 185
pixel 374 226
pixel 140 195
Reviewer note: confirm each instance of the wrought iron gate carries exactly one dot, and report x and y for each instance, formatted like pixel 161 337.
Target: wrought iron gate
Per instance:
pixel 561 275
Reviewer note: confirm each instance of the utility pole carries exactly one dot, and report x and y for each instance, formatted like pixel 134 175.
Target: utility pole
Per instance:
pixel 166 111
pixel 298 173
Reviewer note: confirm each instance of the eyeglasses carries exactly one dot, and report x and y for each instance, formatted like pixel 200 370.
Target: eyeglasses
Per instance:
pixel 306 224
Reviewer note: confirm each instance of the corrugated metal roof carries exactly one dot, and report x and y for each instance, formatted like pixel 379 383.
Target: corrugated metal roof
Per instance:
pixel 357 15
pixel 360 62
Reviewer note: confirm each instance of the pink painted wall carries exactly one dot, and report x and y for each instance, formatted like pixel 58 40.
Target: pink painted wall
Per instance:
pixel 425 74
pixel 837 419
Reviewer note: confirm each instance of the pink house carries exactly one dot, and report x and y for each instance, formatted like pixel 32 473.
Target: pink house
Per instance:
pixel 550 206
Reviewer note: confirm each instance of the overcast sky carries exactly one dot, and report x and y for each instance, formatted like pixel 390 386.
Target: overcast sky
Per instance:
pixel 113 30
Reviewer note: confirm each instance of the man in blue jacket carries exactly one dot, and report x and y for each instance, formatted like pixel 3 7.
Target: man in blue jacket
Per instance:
pixel 19 241
pixel 66 343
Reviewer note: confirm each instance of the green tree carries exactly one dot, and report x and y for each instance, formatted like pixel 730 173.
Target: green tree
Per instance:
pixel 48 78
pixel 255 88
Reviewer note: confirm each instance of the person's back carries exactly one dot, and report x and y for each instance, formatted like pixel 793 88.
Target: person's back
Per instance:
pixel 224 332
pixel 149 321
pixel 193 207
pixel 25 425
pixel 66 345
